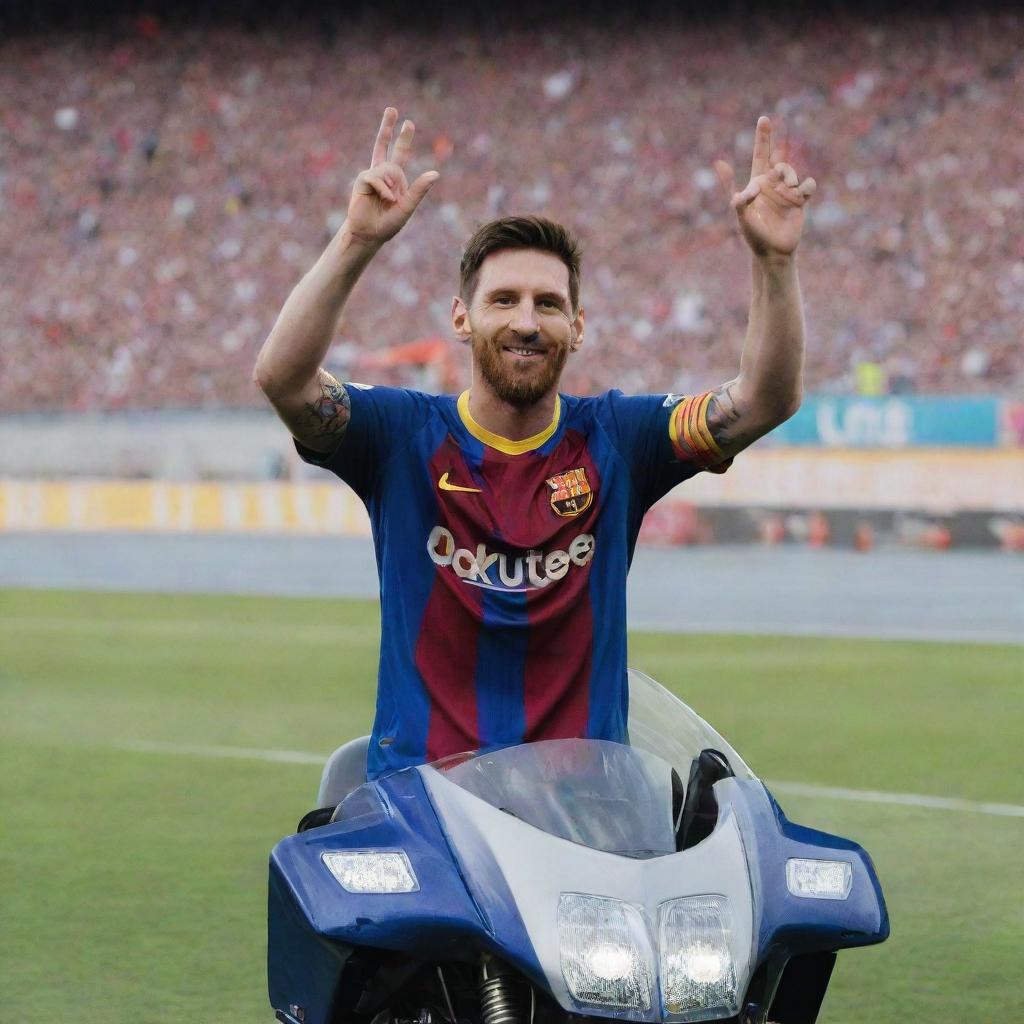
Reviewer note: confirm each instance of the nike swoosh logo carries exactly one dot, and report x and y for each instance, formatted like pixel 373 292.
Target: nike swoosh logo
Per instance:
pixel 445 486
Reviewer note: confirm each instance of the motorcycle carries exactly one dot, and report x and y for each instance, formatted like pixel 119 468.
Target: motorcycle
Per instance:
pixel 562 880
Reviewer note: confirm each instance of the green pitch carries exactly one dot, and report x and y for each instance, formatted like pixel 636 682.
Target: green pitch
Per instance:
pixel 133 883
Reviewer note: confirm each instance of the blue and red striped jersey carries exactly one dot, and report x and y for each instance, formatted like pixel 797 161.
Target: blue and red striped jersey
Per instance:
pixel 503 564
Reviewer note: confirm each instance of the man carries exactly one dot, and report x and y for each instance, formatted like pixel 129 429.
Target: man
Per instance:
pixel 505 519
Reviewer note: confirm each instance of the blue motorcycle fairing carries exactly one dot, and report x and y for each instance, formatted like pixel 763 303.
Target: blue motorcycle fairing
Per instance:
pixel 490 846
pixel 314 924
pixel 436 916
pixel 790 924
pixel 465 900
pixel 303 968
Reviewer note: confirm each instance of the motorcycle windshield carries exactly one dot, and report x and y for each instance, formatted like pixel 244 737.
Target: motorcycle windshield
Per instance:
pixel 660 723
pixel 608 796
pixel 603 795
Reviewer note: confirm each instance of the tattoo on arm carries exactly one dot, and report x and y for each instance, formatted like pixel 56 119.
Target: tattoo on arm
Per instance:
pixel 710 428
pixel 725 421
pixel 326 419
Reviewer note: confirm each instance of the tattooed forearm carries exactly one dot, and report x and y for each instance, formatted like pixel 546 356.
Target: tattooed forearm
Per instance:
pixel 326 419
pixel 709 428
pixel 725 420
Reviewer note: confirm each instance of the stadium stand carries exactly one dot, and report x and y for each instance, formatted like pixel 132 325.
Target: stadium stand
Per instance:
pixel 164 186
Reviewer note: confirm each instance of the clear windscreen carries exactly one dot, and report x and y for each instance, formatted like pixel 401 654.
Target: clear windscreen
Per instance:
pixel 615 797
pixel 600 794
pixel 661 724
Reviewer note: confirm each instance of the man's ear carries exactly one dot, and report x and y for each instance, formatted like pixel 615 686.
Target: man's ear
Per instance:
pixel 577 326
pixel 460 320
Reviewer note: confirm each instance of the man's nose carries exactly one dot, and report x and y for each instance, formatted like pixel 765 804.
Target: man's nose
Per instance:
pixel 524 319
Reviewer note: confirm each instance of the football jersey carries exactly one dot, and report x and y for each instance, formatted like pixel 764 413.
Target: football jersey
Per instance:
pixel 502 564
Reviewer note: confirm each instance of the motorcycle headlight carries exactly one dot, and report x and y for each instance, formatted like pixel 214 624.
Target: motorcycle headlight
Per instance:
pixel 605 952
pixel 698 976
pixel 819 879
pixel 371 871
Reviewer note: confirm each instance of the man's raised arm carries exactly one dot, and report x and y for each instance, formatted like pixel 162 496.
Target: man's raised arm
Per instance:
pixel 770 211
pixel 314 406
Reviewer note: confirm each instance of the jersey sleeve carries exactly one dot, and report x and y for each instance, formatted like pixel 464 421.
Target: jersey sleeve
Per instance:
pixel 666 440
pixel 382 422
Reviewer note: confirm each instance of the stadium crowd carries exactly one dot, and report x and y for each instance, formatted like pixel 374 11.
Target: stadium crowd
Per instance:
pixel 162 190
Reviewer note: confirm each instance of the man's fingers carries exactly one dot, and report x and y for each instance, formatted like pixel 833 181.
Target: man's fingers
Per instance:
pixel 725 176
pixel 421 186
pixel 808 188
pixel 384 133
pixel 747 196
pixel 403 147
pixel 762 147
pixel 373 182
pixel 789 175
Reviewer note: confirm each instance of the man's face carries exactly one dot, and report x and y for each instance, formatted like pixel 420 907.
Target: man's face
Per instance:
pixel 520 324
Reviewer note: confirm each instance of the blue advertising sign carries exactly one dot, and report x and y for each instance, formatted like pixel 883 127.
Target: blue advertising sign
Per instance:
pixel 892 421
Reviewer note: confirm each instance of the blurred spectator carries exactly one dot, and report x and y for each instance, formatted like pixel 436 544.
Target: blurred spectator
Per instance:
pixel 870 378
pixel 159 197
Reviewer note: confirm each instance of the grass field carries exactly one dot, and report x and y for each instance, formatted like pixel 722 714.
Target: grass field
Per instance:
pixel 133 883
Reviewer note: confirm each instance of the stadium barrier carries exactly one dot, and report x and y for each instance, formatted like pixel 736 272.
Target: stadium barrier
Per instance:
pixel 103 505
pixel 253 445
pixel 810 495
pixel 938 480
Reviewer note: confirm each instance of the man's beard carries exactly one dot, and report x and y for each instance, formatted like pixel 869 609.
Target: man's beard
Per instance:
pixel 518 389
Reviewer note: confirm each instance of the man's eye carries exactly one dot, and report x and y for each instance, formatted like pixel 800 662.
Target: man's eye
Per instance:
pixel 504 299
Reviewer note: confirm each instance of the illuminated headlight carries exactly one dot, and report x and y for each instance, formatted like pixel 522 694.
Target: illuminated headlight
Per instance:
pixel 698 977
pixel 819 879
pixel 372 872
pixel 604 950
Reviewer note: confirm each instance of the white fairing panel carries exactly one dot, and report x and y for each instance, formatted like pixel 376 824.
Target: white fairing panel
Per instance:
pixel 537 868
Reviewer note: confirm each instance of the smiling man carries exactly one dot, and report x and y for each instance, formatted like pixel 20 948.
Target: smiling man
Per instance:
pixel 505 519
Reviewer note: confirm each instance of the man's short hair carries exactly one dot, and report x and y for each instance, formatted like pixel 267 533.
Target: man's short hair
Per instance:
pixel 521 233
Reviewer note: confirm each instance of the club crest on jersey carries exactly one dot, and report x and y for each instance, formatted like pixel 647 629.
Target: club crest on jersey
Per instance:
pixel 570 492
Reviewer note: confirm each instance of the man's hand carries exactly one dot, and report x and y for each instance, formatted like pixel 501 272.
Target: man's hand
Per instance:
pixel 770 209
pixel 311 402
pixel 382 199
pixel 767 391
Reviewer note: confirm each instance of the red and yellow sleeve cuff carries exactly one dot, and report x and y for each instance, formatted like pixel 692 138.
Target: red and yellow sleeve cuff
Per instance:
pixel 691 437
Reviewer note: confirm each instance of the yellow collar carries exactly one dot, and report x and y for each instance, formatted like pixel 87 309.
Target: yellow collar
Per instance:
pixel 503 444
